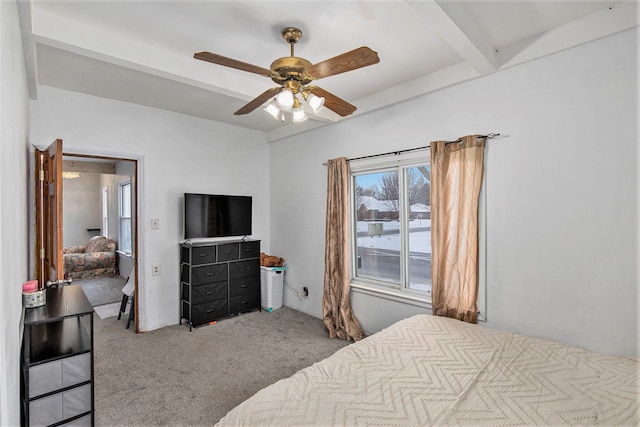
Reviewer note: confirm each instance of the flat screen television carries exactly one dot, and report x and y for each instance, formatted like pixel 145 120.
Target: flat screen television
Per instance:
pixel 216 215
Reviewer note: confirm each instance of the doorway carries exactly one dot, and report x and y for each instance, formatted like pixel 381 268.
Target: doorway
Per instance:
pixel 100 199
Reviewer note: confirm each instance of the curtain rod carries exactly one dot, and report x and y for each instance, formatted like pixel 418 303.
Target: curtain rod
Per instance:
pixel 398 152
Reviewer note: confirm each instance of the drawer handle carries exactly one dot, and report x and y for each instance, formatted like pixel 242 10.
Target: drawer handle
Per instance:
pixel 203 255
pixel 209 274
pixel 210 311
pixel 244 286
pixel 244 302
pixel 209 293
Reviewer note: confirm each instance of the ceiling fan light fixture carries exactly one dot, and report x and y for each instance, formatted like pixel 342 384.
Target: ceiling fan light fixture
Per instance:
pixel 298 115
pixel 315 102
pixel 284 99
pixel 273 109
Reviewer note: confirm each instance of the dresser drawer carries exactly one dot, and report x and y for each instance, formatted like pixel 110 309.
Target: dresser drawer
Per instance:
pixel 51 376
pixel 250 249
pixel 207 312
pixel 244 269
pixel 205 293
pixel 228 252
pixel 245 285
pixel 245 302
pixel 60 406
pixel 208 274
pixel 203 255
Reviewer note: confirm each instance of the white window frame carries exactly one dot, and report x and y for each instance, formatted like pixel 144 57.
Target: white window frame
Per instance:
pixel 408 296
pixel 121 185
pixel 399 291
pixel 105 211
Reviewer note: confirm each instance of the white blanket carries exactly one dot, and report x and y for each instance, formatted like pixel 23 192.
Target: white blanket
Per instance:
pixel 428 370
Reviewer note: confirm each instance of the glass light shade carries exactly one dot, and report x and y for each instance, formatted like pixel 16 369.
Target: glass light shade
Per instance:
pixel 70 175
pixel 273 109
pixel 298 115
pixel 285 98
pixel 315 102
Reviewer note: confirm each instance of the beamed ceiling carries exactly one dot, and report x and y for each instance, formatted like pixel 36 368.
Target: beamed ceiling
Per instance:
pixel 142 51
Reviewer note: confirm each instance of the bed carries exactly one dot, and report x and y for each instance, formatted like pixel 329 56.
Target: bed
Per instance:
pixel 428 370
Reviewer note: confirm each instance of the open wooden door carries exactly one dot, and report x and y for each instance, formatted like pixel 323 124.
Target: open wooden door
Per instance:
pixel 49 265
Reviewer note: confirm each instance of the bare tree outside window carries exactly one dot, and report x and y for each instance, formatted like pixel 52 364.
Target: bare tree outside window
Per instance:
pixel 381 219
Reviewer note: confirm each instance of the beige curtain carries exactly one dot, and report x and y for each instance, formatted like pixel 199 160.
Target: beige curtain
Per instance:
pixel 456 179
pixel 336 302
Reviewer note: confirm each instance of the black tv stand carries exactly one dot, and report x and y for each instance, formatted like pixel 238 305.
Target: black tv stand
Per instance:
pixel 218 279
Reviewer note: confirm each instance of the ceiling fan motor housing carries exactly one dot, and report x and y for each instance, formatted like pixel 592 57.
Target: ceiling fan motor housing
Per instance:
pixel 290 68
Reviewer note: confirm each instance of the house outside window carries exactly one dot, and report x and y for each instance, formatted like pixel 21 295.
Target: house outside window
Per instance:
pixel 391 232
pixel 124 213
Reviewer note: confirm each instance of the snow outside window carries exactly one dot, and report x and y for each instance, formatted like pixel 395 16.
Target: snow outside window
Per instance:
pixel 391 236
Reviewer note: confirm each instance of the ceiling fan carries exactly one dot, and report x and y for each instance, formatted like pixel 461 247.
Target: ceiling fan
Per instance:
pixel 293 75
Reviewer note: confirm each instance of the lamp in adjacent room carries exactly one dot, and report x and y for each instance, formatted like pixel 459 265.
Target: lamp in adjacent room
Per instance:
pixel 70 175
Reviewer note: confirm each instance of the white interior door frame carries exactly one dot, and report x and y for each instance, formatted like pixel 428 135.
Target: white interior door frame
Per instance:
pixel 138 238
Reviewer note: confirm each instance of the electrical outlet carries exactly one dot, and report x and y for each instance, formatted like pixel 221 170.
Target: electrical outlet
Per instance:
pixel 155 269
pixel 305 291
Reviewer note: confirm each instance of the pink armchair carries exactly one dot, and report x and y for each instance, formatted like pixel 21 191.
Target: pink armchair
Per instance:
pixel 96 259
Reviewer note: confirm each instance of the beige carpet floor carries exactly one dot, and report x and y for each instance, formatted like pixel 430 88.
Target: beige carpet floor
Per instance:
pixel 173 377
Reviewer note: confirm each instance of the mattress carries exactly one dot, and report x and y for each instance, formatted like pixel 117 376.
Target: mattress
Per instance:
pixel 428 370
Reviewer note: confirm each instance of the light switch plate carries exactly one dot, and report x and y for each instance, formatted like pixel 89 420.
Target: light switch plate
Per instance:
pixel 155 223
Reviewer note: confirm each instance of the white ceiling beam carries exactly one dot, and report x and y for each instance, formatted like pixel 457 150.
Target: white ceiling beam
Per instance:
pixel 28 46
pixel 445 77
pixel 293 129
pixel 437 80
pixel 617 18
pixel 452 23
pixel 73 36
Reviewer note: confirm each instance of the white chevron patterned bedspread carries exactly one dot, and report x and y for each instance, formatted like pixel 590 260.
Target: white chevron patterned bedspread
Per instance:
pixel 428 370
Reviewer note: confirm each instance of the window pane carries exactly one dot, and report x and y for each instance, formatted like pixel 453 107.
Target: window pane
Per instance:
pixel 126 200
pixel 418 188
pixel 105 212
pixel 125 235
pixel 377 226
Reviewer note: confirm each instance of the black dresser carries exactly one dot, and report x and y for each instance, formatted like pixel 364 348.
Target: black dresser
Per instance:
pixel 218 279
pixel 57 360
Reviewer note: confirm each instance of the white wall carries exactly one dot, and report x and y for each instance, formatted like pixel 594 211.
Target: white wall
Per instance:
pixel 82 201
pixel 561 192
pixel 177 154
pixel 14 215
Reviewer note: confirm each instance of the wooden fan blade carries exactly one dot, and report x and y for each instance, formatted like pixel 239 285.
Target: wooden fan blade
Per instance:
pixel 332 102
pixel 256 102
pixel 357 58
pixel 233 63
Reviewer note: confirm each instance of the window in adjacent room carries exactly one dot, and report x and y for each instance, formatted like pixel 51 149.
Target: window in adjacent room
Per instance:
pixel 124 213
pixel 105 211
pixel 391 233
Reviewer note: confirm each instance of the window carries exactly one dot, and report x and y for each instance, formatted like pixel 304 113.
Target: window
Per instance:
pixel 124 213
pixel 105 211
pixel 391 236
